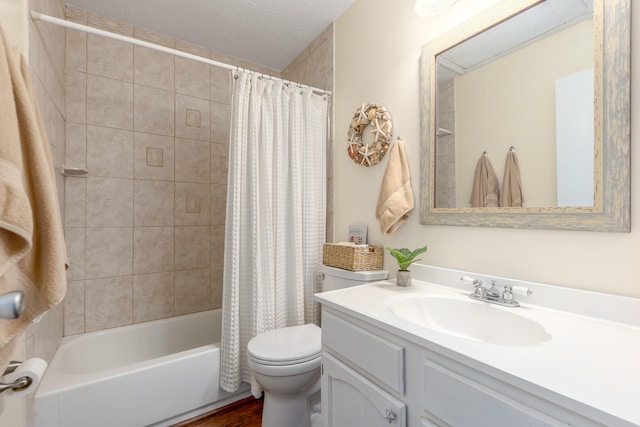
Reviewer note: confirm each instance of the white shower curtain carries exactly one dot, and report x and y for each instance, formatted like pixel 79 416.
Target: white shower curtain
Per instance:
pixel 275 223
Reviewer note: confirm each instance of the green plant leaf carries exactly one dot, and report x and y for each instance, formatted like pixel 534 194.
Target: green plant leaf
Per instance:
pixel 406 257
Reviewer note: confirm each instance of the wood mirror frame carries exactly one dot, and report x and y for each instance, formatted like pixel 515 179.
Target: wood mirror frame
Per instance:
pixel 611 210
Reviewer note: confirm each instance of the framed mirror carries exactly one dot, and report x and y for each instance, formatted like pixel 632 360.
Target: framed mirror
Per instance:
pixel 548 81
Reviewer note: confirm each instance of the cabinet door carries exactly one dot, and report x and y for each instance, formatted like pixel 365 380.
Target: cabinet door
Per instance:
pixel 349 399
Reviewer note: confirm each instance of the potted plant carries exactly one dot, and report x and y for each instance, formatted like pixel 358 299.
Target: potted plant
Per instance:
pixel 405 258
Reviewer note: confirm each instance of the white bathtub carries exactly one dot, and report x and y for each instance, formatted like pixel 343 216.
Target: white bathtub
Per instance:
pixel 149 374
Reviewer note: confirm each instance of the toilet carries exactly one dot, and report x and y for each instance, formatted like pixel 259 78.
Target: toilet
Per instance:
pixel 286 361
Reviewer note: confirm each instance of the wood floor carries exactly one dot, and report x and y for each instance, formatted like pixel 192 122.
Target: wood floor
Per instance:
pixel 243 413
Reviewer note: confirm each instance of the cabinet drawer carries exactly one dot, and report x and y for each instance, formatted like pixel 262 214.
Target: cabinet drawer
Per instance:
pixel 380 358
pixel 454 400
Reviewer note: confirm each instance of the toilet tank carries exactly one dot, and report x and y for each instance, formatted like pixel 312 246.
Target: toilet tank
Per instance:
pixel 337 278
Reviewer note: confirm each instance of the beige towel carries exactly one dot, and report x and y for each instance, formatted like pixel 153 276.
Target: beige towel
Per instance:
pixel 485 192
pixel 32 250
pixel 395 199
pixel 511 185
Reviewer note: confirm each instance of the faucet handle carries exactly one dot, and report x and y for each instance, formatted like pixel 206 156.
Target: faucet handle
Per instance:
pixel 507 294
pixel 471 281
pixel 521 290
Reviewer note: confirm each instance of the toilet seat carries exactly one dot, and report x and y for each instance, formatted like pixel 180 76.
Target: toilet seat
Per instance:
pixel 286 346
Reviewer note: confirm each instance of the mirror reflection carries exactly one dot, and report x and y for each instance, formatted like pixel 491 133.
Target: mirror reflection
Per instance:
pixel 526 86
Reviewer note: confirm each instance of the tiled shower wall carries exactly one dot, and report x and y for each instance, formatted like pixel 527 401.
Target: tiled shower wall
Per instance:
pixel 145 228
pixel 445 170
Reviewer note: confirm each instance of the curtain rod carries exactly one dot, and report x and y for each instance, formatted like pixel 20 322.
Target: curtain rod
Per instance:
pixel 37 16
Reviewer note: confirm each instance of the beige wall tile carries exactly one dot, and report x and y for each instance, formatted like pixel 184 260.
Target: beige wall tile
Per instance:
pixel 76 145
pixel 109 252
pixel 192 48
pixel 192 204
pixel 75 200
pixel 76 51
pixel 109 202
pixel 153 249
pixel 193 161
pixel 109 152
pixel 75 14
pixel 193 78
pixel 109 303
pixel 220 149
pixel 75 240
pixel 144 168
pixel 193 291
pixel 216 286
pixel 109 58
pixel 74 308
pixel 76 93
pixel 221 86
pixel 153 203
pixel 217 245
pixel 98 21
pixel 192 247
pixel 220 122
pixel 217 165
pixel 154 111
pixel 153 37
pixel 109 102
pixel 193 118
pixel 153 68
pixel 153 296
pixel 218 204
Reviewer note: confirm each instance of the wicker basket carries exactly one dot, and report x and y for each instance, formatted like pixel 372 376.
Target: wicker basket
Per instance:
pixel 353 258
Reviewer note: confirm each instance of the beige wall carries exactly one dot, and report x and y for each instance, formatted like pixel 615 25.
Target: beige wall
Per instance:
pixel 377 50
pixel 13 17
pixel 511 102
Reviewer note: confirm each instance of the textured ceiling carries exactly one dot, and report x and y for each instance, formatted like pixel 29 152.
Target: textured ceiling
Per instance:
pixel 267 32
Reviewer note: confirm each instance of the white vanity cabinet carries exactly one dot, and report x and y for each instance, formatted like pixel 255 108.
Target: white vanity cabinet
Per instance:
pixel 362 377
pixel 373 376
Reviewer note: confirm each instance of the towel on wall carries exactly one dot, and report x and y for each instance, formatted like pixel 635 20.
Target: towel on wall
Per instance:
pixel 395 199
pixel 511 185
pixel 32 250
pixel 485 191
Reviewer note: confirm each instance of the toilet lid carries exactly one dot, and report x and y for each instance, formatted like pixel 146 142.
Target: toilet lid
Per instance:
pixel 285 346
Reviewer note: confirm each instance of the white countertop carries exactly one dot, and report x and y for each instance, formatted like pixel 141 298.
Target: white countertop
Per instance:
pixel 589 360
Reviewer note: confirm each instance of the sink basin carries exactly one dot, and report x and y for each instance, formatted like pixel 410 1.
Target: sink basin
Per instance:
pixel 475 320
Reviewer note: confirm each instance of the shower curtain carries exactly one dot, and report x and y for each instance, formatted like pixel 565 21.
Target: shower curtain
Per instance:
pixel 275 223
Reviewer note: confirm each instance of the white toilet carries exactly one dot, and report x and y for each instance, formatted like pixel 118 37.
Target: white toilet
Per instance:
pixel 286 361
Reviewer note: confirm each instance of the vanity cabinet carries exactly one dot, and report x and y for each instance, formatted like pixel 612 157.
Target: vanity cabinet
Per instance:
pixel 362 377
pixel 349 399
pixel 372 376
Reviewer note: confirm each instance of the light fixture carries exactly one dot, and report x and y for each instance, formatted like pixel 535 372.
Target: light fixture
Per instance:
pixel 426 8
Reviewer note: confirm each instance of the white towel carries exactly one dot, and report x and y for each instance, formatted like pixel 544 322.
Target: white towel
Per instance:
pixel 32 250
pixel 395 199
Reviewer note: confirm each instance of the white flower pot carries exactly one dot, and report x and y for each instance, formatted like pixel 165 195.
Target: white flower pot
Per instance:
pixel 403 278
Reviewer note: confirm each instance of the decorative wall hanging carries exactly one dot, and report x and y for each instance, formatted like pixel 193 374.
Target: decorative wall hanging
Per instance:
pixel 379 118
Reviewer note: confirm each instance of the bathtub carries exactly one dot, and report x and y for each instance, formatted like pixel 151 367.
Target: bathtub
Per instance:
pixel 149 374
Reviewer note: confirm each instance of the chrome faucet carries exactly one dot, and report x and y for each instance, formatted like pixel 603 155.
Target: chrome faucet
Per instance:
pixel 493 295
